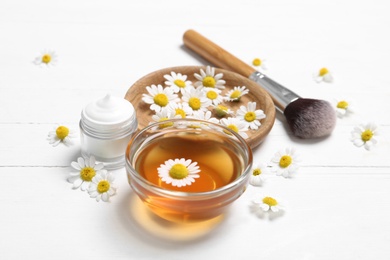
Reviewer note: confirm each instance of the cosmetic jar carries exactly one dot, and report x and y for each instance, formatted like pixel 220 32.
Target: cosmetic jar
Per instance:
pixel 106 127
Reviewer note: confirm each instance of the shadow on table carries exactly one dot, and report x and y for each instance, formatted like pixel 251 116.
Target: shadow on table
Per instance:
pixel 147 226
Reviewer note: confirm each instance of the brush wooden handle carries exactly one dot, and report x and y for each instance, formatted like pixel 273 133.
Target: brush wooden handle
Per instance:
pixel 215 54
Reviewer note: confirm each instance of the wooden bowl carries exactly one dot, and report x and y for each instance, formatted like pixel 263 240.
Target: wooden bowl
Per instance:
pixel 256 94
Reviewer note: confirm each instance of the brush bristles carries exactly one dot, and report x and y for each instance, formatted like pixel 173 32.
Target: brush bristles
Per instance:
pixel 310 118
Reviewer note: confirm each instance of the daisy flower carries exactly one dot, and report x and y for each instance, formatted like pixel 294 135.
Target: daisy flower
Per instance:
pixel 178 82
pixel 159 97
pixel 267 204
pixel 365 135
pixel 257 62
pixel 257 176
pixel 46 58
pixel 209 79
pixel 101 187
pixel 251 115
pixel 61 134
pixel 163 116
pixel 222 111
pixel 213 94
pixel 236 125
pixel 323 75
pixel 236 93
pixel 196 100
pixel 179 172
pixel 86 169
pixel 285 162
pixel 205 116
pixel 181 109
pixel 343 108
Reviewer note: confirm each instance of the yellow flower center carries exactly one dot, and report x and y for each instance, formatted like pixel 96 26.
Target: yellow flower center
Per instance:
pixel 323 72
pixel 209 81
pixel 256 171
pixel 250 116
pixel 62 132
pixel 46 58
pixel 235 94
pixel 270 201
pixel 194 103
pixel 179 83
pixel 164 125
pixel 256 62
pixel 178 171
pixel 212 94
pixel 221 110
pixel 233 127
pixel 342 104
pixel 180 112
pixel 285 161
pixel 161 100
pixel 367 135
pixel 103 186
pixel 87 173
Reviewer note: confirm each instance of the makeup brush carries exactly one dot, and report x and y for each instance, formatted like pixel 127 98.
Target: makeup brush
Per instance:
pixel 307 118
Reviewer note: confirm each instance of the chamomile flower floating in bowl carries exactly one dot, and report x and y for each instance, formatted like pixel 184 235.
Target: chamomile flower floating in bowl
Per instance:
pixel 159 97
pixel 184 173
pixel 46 59
pixel 209 79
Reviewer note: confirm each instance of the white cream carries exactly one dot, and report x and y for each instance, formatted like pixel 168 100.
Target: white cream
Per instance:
pixel 107 126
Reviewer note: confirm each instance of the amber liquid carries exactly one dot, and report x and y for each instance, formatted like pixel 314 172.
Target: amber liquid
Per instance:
pixel 218 164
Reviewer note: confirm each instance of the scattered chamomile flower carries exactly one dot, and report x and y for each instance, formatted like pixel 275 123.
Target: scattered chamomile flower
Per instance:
pixel 285 162
pixel 159 97
pixel 236 93
pixel 257 177
pixel 235 124
pixel 86 169
pixel 251 115
pixel 101 187
pixel 221 110
pixel 46 58
pixel 205 116
pixel 179 172
pixel 267 203
pixel 196 100
pixel 343 108
pixel 213 94
pixel 365 135
pixel 181 109
pixel 209 79
pixel 178 82
pixel 61 134
pixel 164 115
pixel 323 75
pixel 261 63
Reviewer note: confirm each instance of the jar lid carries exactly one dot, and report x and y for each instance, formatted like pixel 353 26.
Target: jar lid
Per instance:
pixel 108 113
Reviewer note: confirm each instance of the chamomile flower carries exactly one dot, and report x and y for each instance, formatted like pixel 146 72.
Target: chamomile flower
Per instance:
pixel 159 97
pixel 251 115
pixel 221 110
pixel 285 162
pixel 214 95
pixel 236 93
pixel 61 134
pixel 86 169
pixel 323 75
pixel 179 172
pixel 209 79
pixel 261 63
pixel 267 203
pixel 101 187
pixel 178 82
pixel 365 135
pixel 164 115
pixel 258 172
pixel 235 124
pixel 180 109
pixel 205 116
pixel 46 58
pixel 343 107
pixel 196 100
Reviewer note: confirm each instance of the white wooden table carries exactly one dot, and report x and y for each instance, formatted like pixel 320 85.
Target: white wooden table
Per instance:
pixel 336 207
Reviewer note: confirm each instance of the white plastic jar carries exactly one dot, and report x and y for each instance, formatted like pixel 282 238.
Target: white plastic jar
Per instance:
pixel 107 126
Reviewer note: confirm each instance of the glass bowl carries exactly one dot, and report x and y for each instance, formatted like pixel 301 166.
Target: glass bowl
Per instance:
pixel 159 154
